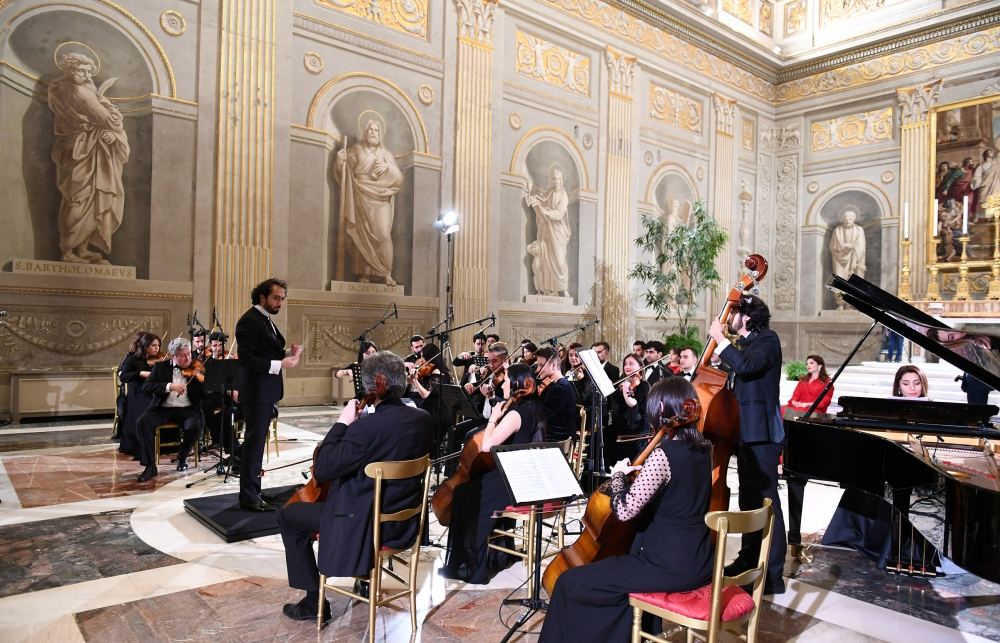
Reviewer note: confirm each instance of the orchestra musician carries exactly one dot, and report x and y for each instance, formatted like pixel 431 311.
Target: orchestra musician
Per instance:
pixel 467 359
pixel 133 373
pixel 654 353
pixel 577 376
pixel 416 345
pixel 518 421
pixel 175 386
pixel 491 338
pixel 393 432
pixel 262 360
pixel 213 405
pixel 365 349
pixel 628 412
pixel 672 550
pixel 430 374
pixel 484 395
pixel 199 348
pixel 558 397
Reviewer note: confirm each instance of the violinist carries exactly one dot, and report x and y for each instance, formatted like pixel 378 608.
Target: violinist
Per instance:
pixel 576 373
pixel 427 379
pixel 365 350
pixel 672 550
pixel 528 357
pixel 558 397
pixel 486 392
pixel 176 389
pixel 657 371
pixel 212 404
pixel 199 347
pixel 133 373
pixel 416 345
pixel 517 421
pixel 393 432
pixel 469 359
pixel 628 411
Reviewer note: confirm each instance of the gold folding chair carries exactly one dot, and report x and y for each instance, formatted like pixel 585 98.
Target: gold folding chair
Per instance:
pixel 272 436
pixel 159 444
pixel 381 472
pixel 722 604
pixel 579 453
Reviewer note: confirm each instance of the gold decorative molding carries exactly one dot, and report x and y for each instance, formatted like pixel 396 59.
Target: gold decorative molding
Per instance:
pixel 91 292
pixel 621 71
pixel 409 17
pixel 741 9
pixel 675 109
pixel 551 63
pixel 329 340
pixel 725 113
pixel 795 17
pixel 475 20
pixel 173 22
pixel 867 128
pixel 748 135
pixel 916 102
pixel 313 62
pixel 835 10
pixel 765 24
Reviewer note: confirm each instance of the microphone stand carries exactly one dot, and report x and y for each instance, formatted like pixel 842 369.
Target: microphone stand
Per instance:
pixel 552 341
pixel 363 337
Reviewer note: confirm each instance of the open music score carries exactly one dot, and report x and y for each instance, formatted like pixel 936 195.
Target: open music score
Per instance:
pixel 537 472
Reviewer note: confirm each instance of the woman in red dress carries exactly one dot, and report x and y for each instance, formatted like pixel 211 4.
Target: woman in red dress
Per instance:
pixel 810 386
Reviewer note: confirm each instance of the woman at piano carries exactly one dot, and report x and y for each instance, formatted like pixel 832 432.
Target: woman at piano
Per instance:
pixel 810 386
pixel 910 382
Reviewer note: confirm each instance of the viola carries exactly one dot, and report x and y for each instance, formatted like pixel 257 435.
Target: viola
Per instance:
pixel 603 535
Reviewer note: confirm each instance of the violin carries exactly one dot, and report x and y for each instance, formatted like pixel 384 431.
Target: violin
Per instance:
pixel 603 535
pixel 159 357
pixel 195 372
pixel 425 370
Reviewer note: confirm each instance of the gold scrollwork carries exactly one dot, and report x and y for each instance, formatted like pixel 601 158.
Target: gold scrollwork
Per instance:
pixel 748 135
pixel 742 9
pixel 74 333
pixel 795 17
pixel 409 17
pixel 552 64
pixel 675 109
pixel 834 10
pixel 851 131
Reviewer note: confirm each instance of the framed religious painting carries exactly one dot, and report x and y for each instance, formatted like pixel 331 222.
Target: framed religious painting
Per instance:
pixel 965 172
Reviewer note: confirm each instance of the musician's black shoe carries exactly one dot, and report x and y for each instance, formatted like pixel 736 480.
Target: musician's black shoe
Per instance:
pixel 182 465
pixel 268 497
pixel 305 610
pixel 260 506
pixel 361 587
pixel 769 587
pixel 738 566
pixel 148 473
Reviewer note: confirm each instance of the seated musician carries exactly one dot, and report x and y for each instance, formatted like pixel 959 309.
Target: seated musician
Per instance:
pixel 577 375
pixel 365 350
pixel 427 386
pixel 810 386
pixel 176 396
pixel 133 372
pixel 393 432
pixel 199 347
pixel 518 421
pixel 212 404
pixel 910 382
pixel 558 397
pixel 483 395
pixel 672 550
pixel 628 412
pixel 468 360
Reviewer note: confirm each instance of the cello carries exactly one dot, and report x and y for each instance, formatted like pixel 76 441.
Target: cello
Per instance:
pixel 720 421
pixel 604 535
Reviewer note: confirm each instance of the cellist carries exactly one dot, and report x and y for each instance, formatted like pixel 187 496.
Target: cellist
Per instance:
pixel 672 550
pixel 394 431
pixel 516 421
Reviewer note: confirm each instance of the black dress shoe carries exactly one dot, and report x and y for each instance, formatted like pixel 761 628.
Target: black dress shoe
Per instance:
pixel 302 612
pixel 361 586
pixel 769 588
pixel 148 473
pixel 182 465
pixel 268 497
pixel 738 566
pixel 259 506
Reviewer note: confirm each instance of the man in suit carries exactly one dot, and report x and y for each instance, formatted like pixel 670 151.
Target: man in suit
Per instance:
pixel 654 353
pixel 756 366
pixel 468 359
pixel 603 350
pixel 688 362
pixel 176 398
pixel 558 398
pixel 262 359
pixel 393 432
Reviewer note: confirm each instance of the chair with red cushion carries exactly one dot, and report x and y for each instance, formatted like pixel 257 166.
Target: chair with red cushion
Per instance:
pixel 722 604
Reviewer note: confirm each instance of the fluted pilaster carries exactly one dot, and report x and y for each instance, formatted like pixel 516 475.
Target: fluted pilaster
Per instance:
pixel 724 187
pixel 914 147
pixel 245 149
pixel 473 154
pixel 615 304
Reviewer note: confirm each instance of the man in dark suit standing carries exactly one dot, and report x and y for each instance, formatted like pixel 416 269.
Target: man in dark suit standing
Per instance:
pixel 262 359
pixel 176 398
pixel 756 366
pixel 393 432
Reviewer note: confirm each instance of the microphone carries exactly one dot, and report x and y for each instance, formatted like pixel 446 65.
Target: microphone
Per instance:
pixel 395 311
pixel 451 311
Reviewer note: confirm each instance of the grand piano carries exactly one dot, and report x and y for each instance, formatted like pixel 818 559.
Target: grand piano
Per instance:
pixel 947 453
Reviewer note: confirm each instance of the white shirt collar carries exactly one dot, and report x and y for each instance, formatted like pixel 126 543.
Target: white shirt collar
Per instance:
pixel 262 311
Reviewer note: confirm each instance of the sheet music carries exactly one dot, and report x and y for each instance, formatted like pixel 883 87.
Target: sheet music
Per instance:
pixel 537 475
pixel 596 370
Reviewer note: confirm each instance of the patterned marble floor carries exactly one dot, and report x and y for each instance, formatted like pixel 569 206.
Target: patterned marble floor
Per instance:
pixel 89 554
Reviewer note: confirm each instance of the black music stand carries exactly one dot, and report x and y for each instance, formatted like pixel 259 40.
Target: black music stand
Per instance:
pixel 221 377
pixel 454 402
pixel 535 474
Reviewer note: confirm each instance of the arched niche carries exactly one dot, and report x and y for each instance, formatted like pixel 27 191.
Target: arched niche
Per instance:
pixel 670 182
pixel 128 53
pixel 874 215
pixel 536 156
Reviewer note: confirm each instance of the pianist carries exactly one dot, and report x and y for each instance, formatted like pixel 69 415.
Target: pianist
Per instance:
pixel 910 383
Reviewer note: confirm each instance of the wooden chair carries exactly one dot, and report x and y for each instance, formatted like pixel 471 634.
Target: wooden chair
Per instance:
pixel 381 472
pixel 272 436
pixel 523 531
pixel 579 453
pixel 119 391
pixel 722 604
pixel 158 442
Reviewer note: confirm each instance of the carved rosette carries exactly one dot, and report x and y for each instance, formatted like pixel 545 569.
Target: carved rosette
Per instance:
pixel 173 22
pixel 475 20
pixel 725 113
pixel 915 102
pixel 621 71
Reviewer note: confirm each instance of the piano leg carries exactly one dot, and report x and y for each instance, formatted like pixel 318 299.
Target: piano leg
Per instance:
pixel 796 496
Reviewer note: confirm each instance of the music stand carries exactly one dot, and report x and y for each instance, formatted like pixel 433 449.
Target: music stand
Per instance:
pixel 535 474
pixel 602 388
pixel 221 377
pixel 454 401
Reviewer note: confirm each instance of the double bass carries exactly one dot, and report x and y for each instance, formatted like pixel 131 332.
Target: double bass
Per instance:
pixel 604 535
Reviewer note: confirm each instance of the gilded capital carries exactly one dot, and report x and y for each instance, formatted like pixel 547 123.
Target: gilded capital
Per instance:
pixel 475 19
pixel 917 101
pixel 621 68
pixel 725 113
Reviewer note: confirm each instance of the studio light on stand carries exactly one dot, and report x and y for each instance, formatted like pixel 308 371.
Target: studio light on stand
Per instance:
pixel 448 224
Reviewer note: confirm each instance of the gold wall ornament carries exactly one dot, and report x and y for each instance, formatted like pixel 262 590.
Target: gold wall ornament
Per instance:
pixel 834 10
pixel 329 340
pixel 475 20
pixel 425 94
pixel 313 62
pixel 795 17
pixel 408 17
pixel 915 102
pixel 748 135
pixel 786 231
pixel 765 22
pixel 867 128
pixel 725 113
pixel 173 22
pixel 552 64
pixel 742 9
pixel 71 331
pixel 675 109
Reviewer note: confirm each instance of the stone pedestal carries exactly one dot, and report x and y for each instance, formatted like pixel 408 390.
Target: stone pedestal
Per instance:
pixel 69 268
pixel 548 299
pixel 368 289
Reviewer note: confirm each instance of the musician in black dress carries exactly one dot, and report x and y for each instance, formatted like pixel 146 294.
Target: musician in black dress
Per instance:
pixel 133 372
pixel 353 371
pixel 672 550
pixel 628 412
pixel 558 397
pixel 476 500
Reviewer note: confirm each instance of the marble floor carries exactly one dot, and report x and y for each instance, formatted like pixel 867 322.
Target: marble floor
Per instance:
pixel 89 554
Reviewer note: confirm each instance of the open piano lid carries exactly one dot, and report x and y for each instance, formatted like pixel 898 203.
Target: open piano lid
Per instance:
pixel 975 353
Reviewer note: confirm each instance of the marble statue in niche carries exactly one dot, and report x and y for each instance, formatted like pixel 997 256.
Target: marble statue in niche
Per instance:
pixel 369 180
pixel 89 151
pixel 674 217
pixel 548 251
pixel 847 247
